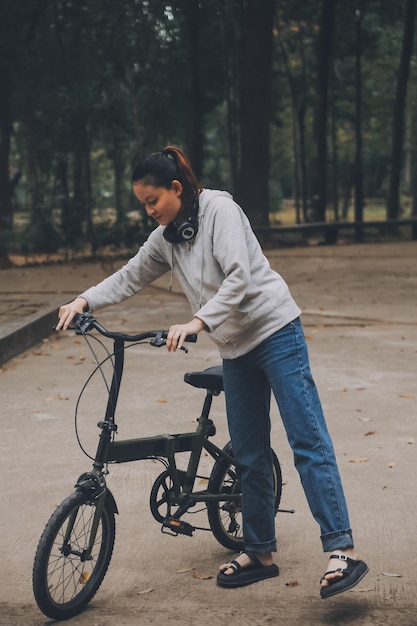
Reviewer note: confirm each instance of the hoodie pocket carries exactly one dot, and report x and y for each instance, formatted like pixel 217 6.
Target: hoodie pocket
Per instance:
pixel 239 323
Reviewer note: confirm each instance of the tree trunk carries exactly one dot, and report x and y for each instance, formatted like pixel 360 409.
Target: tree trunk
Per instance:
pixel 335 161
pixel 195 139
pixel 358 159
pixel 35 202
pixel 88 195
pixel 413 166
pixel 64 203
pixel 303 162
pixel 320 115
pixel 296 168
pixel 6 210
pixel 229 26
pixel 393 202
pixel 118 164
pixel 81 209
pixel 299 112
pixel 255 70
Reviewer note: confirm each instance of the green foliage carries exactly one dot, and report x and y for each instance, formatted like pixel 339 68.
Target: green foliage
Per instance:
pixel 127 235
pixel 90 85
pixel 40 238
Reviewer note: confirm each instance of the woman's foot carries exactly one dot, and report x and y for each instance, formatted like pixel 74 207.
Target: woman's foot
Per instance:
pixel 246 569
pixel 245 561
pixel 331 574
pixel 344 572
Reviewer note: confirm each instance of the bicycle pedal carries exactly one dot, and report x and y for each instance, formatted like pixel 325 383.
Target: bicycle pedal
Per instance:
pixel 177 527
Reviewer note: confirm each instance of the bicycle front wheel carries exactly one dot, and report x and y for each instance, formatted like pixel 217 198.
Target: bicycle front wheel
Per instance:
pixel 66 574
pixel 225 518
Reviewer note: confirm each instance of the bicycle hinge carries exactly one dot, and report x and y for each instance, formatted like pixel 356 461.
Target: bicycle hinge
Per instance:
pixel 109 426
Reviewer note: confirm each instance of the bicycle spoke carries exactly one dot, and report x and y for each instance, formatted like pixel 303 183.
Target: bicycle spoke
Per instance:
pixel 66 574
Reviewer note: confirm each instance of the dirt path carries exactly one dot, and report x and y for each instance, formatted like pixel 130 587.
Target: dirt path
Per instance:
pixel 360 318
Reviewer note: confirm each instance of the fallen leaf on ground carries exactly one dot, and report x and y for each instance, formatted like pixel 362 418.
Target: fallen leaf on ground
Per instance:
pixel 183 571
pixel 202 576
pixel 162 400
pixel 145 591
pixel 370 432
pixel 57 397
pixel 407 396
pixel 292 583
pixel 359 461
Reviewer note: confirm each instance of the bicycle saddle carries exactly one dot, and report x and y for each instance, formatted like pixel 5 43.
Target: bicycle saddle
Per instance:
pixel 211 378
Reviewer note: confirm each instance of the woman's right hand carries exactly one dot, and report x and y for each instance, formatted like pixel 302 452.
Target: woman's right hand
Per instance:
pixel 67 312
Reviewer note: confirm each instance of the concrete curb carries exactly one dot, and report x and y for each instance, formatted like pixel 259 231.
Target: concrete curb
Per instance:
pixel 23 334
pixel 18 336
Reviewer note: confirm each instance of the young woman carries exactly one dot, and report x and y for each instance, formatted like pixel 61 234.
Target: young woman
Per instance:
pixel 206 241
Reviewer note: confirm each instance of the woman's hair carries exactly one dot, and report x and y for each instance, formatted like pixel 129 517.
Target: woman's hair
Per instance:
pixel 161 168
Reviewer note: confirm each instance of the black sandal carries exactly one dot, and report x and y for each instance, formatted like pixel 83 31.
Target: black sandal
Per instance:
pixel 351 575
pixel 246 575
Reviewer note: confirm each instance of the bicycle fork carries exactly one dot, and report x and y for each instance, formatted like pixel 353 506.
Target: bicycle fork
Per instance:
pixel 93 483
pixel 99 494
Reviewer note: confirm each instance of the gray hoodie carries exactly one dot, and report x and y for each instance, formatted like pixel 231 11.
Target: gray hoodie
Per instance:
pixel 223 272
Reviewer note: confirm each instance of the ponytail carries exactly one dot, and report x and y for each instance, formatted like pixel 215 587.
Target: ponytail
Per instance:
pixel 161 168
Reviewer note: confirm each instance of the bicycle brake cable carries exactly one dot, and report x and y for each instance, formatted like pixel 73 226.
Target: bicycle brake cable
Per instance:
pixel 99 367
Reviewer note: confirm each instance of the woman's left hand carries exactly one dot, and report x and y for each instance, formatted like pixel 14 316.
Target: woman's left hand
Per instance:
pixel 178 332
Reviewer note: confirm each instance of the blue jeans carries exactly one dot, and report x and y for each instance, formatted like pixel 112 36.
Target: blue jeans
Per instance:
pixel 281 363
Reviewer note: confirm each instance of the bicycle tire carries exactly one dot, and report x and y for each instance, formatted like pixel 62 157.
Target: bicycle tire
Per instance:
pixel 64 583
pixel 225 518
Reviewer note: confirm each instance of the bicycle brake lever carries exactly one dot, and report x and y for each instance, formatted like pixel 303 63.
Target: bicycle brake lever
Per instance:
pixel 159 339
pixel 83 322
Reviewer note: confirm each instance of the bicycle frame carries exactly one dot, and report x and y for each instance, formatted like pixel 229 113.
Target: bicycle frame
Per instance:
pixel 76 546
pixel 158 446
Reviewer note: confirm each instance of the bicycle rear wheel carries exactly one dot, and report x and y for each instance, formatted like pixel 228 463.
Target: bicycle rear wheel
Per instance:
pixel 65 576
pixel 225 518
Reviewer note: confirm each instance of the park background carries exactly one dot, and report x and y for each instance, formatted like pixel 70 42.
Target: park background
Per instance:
pixel 305 110
pixel 254 92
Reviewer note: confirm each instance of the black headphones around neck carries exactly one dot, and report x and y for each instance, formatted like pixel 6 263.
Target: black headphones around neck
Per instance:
pixel 185 231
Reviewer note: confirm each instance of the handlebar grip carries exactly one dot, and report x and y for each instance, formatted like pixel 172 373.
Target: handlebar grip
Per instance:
pixel 189 338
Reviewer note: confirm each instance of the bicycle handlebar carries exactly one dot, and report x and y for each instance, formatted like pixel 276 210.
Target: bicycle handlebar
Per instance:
pixel 85 322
